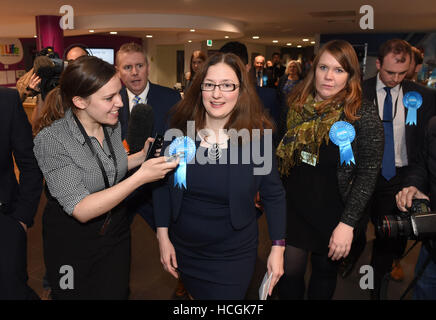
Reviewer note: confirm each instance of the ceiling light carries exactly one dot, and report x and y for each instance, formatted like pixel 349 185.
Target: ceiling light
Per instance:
pixel 35 36
pixel 192 30
pixel 289 44
pixel 299 46
pixel 189 41
pixel 305 40
pixel 226 37
pixel 91 30
pixel 256 37
pixel 113 32
pixel 149 36
pixel 275 41
pixel 312 42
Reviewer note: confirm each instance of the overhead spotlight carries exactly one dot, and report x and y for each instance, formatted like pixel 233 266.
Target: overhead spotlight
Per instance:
pixel 192 30
pixel 113 32
pixel 226 37
pixel 91 30
pixel 299 46
pixel 255 37
pixel 312 42
pixel 289 44
pixel 35 36
pixel 305 40
pixel 149 36
pixel 275 41
pixel 189 41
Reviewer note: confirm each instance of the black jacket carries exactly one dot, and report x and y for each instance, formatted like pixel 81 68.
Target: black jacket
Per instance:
pixel 16 142
pixel 357 182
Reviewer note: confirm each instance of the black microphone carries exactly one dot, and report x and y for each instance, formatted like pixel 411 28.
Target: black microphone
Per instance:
pixel 140 127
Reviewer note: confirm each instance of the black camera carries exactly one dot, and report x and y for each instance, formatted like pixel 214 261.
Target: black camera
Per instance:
pixel 418 223
pixel 49 73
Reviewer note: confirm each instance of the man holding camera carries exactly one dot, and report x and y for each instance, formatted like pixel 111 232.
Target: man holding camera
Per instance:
pixel 420 182
pixel 404 130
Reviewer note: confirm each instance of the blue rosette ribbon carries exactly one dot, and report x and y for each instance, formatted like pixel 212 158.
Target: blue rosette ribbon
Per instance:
pixel 342 134
pixel 412 100
pixel 187 146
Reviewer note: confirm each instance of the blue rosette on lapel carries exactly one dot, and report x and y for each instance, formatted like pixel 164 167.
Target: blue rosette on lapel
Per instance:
pixel 412 100
pixel 186 146
pixel 342 134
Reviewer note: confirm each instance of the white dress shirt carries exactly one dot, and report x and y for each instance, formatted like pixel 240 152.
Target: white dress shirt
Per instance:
pixel 143 95
pixel 399 120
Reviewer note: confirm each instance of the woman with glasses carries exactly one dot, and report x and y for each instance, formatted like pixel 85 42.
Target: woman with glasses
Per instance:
pixel 329 158
pixel 207 231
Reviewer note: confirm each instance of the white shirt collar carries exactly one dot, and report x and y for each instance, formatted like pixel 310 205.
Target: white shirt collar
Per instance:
pixel 143 95
pixel 380 85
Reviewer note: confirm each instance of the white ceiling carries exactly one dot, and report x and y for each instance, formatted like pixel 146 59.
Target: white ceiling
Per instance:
pixel 170 20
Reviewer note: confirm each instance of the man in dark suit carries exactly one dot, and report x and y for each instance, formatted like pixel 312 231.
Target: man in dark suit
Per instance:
pixel 403 140
pixel 277 69
pixel 133 69
pixel 261 76
pixel 18 200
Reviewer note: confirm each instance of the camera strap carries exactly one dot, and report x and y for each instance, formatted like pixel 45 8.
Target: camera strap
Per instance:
pixel 100 164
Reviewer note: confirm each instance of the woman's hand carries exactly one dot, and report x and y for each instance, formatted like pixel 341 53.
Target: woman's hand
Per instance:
pixel 156 169
pixel 275 265
pixel 167 252
pixel 406 195
pixel 340 241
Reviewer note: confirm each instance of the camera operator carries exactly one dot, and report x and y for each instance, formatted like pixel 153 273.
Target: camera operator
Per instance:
pixel 421 184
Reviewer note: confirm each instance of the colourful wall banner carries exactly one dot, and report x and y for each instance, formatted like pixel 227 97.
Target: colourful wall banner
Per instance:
pixel 11 50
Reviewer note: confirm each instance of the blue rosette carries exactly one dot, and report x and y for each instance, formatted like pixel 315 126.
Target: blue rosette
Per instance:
pixel 187 146
pixel 412 100
pixel 342 134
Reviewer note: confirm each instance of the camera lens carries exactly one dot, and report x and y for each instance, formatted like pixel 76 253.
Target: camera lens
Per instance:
pixel 394 227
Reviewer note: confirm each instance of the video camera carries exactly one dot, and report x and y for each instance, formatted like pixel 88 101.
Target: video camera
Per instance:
pixel 418 223
pixel 51 73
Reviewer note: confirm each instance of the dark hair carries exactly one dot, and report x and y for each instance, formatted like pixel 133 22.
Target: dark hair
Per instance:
pixel 75 45
pixel 236 48
pixel 82 77
pixel 418 57
pixel 396 46
pixel 248 112
pixel 350 96
pixel 276 54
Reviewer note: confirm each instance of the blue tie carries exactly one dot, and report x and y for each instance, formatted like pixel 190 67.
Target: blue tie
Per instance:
pixel 136 100
pixel 388 164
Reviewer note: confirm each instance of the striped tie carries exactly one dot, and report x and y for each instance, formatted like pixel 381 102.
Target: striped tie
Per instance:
pixel 136 100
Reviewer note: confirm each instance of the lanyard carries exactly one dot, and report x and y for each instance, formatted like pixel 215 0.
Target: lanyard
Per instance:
pixel 395 108
pixel 100 164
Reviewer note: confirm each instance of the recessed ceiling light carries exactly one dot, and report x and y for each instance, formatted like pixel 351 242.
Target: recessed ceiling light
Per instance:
pixel 312 42
pixel 289 44
pixel 189 41
pixel 113 32
pixel 192 30
pixel 35 36
pixel 275 41
pixel 149 36
pixel 299 46
pixel 226 37
pixel 91 30
pixel 305 40
pixel 255 37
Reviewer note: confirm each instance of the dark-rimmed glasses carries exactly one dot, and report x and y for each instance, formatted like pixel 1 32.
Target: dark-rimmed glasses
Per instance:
pixel 224 87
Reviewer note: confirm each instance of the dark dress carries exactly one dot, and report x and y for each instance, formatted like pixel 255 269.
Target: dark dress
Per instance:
pixel 215 261
pixel 314 203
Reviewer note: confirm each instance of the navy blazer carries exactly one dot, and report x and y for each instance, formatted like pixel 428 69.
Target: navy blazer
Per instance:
pixel 160 98
pixel 414 133
pixel 16 139
pixel 243 186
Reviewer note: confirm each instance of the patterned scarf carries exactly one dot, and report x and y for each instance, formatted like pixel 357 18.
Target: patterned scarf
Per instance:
pixel 306 132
